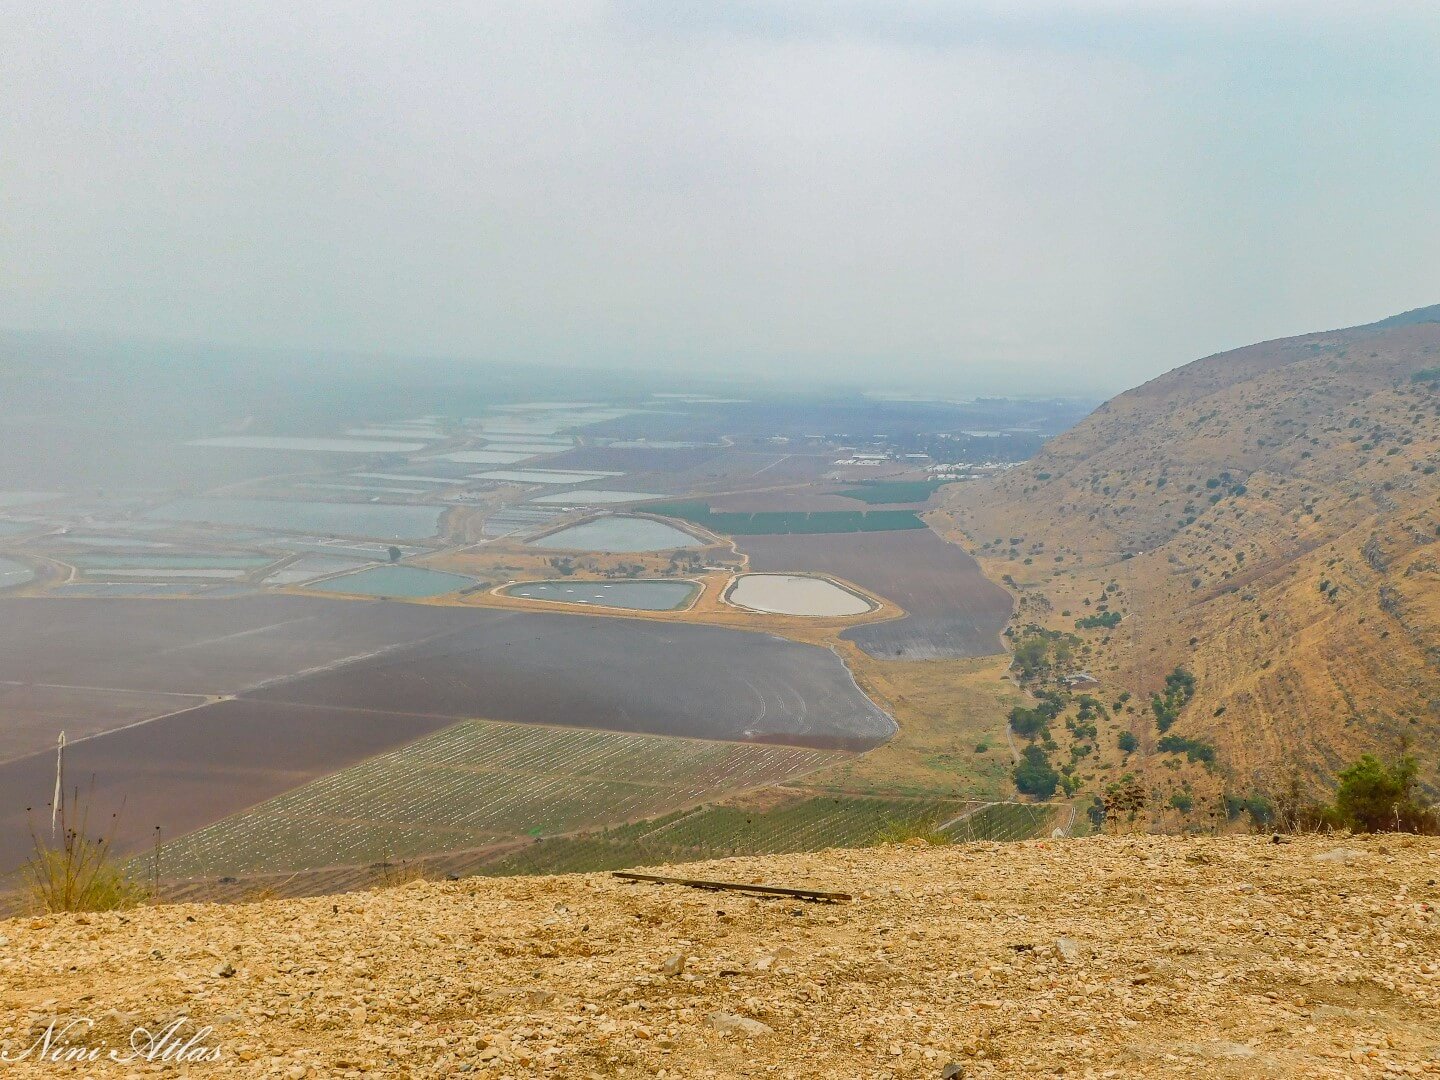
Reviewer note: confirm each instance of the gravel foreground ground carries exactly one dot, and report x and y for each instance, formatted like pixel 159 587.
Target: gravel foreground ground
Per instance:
pixel 1106 957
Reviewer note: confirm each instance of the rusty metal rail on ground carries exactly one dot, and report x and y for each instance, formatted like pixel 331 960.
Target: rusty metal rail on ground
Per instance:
pixel 814 896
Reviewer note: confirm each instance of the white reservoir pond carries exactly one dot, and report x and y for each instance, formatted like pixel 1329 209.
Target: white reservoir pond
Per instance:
pixel 382 521
pixel 795 594
pixel 618 535
pixel 627 595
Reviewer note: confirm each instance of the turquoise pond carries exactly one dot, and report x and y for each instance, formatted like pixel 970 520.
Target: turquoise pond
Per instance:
pixel 383 521
pixel 627 595
pixel 618 535
pixel 407 581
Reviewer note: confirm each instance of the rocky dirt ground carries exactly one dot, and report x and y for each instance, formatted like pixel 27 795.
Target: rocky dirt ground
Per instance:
pixel 1102 957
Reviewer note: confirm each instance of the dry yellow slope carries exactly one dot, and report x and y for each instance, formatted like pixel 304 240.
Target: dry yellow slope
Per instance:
pixel 1269 518
pixel 1104 957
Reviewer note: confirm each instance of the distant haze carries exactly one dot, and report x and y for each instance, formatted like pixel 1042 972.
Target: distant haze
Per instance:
pixel 938 195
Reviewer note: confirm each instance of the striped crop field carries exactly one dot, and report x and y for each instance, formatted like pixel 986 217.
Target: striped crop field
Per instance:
pixel 801 822
pixel 475 784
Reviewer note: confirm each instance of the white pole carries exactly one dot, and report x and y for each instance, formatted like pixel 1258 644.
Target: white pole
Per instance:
pixel 59 783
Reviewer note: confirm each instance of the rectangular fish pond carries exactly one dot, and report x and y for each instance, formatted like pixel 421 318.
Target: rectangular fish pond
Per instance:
pixel 627 595
pixel 412 582
pixel 161 563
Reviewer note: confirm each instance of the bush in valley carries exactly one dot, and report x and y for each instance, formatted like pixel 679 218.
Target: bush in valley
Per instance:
pixel 1032 656
pixel 1041 653
pixel 1027 723
pixel 1127 742
pixel 1105 619
pixel 1034 775
pixel 1031 722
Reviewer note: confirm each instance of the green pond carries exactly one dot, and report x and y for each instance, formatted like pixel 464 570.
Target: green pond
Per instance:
pixel 408 581
pixel 629 595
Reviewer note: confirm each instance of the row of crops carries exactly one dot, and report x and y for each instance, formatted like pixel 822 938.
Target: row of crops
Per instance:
pixel 801 823
pixel 474 784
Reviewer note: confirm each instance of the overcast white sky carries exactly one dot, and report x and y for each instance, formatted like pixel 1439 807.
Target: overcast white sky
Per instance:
pixel 993 195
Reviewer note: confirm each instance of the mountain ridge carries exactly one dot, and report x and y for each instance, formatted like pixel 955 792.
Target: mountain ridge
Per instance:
pixel 1266 517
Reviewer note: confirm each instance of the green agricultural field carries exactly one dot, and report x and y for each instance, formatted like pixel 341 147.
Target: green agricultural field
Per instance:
pixel 474 784
pixel 801 823
pixel 893 491
pixel 780 522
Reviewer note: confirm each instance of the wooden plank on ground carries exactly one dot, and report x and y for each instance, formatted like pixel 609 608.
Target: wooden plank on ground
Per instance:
pixel 814 896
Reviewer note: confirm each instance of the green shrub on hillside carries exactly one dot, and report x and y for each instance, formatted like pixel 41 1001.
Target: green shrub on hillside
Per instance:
pixel 1194 749
pixel 1035 775
pixel 1179 689
pixel 1378 796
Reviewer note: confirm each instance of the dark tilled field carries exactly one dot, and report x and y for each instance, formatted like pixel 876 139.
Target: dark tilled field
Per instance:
pixel 184 771
pixel 32 716
pixel 198 646
pixel 613 673
pixel 953 609
pixel 324 683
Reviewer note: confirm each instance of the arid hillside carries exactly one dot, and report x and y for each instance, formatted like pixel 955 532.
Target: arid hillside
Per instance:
pixel 1103 957
pixel 1269 520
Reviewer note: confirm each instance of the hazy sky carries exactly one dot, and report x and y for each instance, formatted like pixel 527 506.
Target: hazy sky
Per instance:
pixel 1000 194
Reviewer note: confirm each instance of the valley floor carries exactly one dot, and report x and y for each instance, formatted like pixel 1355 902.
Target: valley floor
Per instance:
pixel 1100 957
